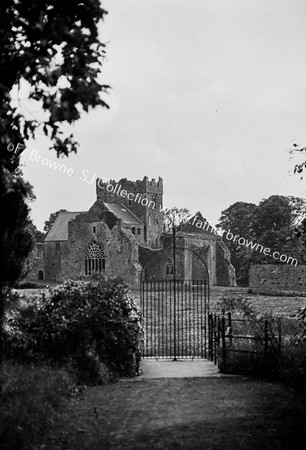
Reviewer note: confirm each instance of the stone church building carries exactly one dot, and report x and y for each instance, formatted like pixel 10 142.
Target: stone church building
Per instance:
pixel 122 234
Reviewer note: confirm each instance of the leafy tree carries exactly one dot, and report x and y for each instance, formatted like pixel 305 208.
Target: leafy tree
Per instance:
pixel 298 210
pixel 37 238
pixel 273 226
pixel 51 220
pixel 50 49
pixel 16 240
pixel 273 213
pixel 175 217
pixel 238 219
pixel 268 224
pixel 301 151
pixel 300 222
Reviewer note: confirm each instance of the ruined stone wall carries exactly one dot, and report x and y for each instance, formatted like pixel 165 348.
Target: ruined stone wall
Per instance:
pixel 119 246
pixel 38 265
pixel 188 264
pixel 55 253
pixel 124 256
pixel 198 269
pixel 277 277
pixel 154 262
pixel 205 249
pixel 150 213
pixel 225 271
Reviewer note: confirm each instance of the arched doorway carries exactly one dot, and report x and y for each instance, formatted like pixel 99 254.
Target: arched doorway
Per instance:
pixel 174 306
pixel 40 275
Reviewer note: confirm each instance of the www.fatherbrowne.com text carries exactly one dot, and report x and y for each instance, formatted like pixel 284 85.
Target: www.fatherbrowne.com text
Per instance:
pixel 116 188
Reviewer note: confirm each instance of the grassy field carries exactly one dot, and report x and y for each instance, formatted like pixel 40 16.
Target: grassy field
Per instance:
pixel 278 306
pixel 191 325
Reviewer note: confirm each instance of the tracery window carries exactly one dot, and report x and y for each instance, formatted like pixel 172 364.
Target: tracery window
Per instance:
pixel 169 267
pixel 94 260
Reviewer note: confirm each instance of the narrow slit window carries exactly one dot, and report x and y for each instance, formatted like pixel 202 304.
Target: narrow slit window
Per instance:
pixel 169 267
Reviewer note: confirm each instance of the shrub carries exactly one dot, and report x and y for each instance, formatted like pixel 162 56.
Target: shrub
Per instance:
pixel 301 317
pixel 293 355
pixel 28 285
pixel 90 324
pixel 285 362
pixel 251 338
pixel 30 399
pixel 239 306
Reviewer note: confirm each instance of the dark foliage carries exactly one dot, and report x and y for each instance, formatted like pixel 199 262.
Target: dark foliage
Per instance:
pixel 16 240
pixel 51 220
pixel 88 324
pixel 269 224
pixel 30 401
pixel 28 285
pixel 51 50
pixel 48 45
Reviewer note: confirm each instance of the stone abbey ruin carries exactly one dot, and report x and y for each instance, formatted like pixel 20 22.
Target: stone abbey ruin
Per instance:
pixel 122 234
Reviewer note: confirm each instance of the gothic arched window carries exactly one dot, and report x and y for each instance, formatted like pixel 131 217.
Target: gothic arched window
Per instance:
pixel 169 267
pixel 94 260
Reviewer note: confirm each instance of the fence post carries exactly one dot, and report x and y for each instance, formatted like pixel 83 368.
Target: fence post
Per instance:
pixel 265 342
pixel 211 337
pixel 208 333
pixel 229 315
pixel 223 342
pixel 216 338
pixel 279 323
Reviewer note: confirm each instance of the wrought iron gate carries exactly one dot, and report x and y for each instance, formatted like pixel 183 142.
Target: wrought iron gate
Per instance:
pixel 175 318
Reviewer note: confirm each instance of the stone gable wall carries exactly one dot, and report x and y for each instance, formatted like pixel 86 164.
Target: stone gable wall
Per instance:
pixel 55 253
pixel 119 245
pixel 277 277
pixel 189 266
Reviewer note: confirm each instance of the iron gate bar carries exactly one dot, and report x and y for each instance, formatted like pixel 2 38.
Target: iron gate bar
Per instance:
pixel 201 320
pixel 161 314
pixel 171 331
pixel 186 319
pixel 189 338
pixel 198 318
pixel 189 309
pixel 158 314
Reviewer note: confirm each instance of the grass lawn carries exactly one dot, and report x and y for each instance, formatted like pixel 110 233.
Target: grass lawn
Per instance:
pixel 192 414
pixel 190 326
pixel 279 306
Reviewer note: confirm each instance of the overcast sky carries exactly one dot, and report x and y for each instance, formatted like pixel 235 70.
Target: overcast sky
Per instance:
pixel 208 94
